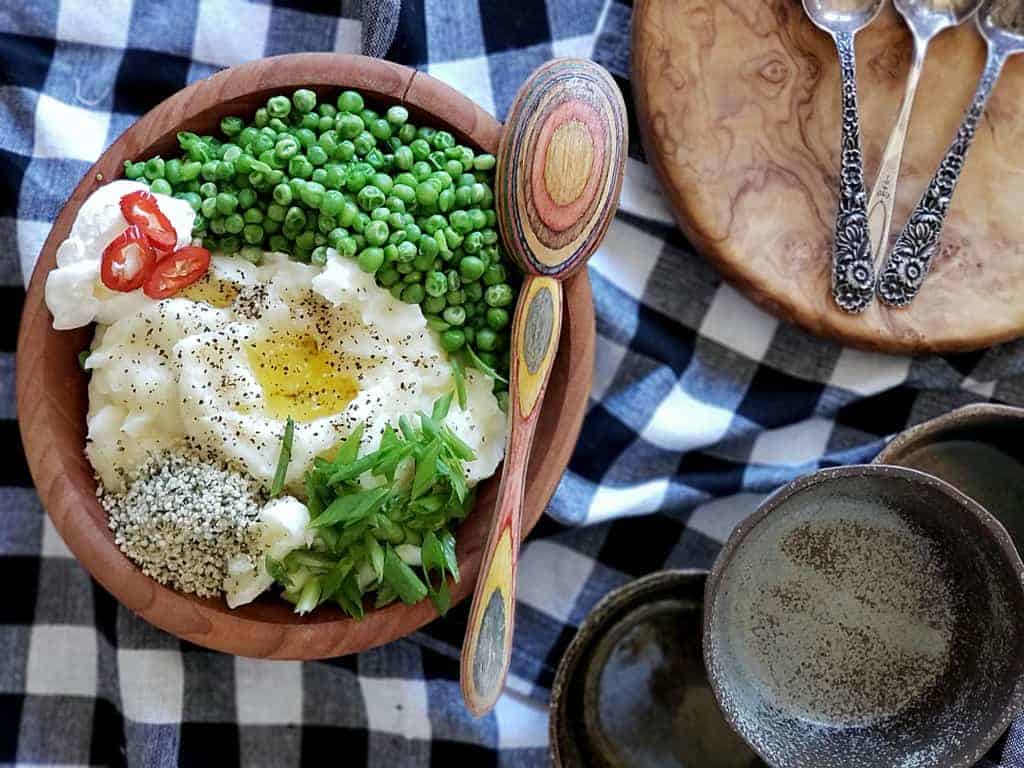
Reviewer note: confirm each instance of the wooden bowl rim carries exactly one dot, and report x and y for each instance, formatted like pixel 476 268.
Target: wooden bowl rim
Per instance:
pixel 208 622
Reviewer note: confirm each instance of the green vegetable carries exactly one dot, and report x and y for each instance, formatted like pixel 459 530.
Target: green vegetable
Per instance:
pixel 283 458
pixel 371 521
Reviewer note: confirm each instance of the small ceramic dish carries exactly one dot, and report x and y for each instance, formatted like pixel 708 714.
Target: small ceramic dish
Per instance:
pixel 631 691
pixel 979 449
pixel 52 399
pixel 867 617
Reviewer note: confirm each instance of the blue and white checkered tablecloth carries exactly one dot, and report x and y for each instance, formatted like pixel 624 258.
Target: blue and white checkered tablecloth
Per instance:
pixel 702 404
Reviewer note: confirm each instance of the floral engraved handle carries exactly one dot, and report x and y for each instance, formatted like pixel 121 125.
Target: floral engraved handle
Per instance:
pixel 853 276
pixel 907 265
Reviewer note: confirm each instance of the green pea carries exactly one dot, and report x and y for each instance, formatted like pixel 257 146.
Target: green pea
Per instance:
pixel 172 170
pixel 327 110
pixel 394 204
pixel 328 141
pixel 463 197
pixel 473 243
pixel 160 187
pixel 154 168
pixel 317 155
pixel 370 197
pixel 436 284
pixel 282 194
pixel 407 133
pixel 300 166
pixel 452 340
pixel 404 158
pixel 376 233
pixel 407 252
pixel 380 129
pixel 226 203
pixel 388 276
pixel 230 244
pixel 209 207
pixel 252 216
pixel 453 168
pixel 446 200
pixel 364 142
pixel 471 268
pixel 397 115
pixel 348 214
pixel 335 236
pixel 278 106
pixel 134 170
pixel 312 194
pixel 494 274
pixel 306 241
pixel 325 224
pixel 360 222
pixel 456 298
pixel 252 234
pixel 295 218
pixel 350 101
pixel 261 118
pixel 304 100
pixel 433 305
pixel 286 147
pixel 454 315
pixel 454 280
pixel 420 149
pixel 484 162
pixel 276 212
pixel 413 294
pixel 334 177
pixel 191 170
pixel 486 339
pixel 345 152
pixel 349 126
pixel 498 295
pixel 461 221
pixel 271 227
pixel 421 171
pixel 278 244
pixel 217 225
pixel 319 256
pixel 348 246
pixel 356 180
pixel 233 223
pixel 380 213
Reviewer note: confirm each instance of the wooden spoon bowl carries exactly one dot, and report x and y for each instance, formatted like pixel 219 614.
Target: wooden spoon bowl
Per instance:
pixel 52 397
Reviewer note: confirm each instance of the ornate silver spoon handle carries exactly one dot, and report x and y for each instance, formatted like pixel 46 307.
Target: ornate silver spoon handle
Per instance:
pixel 883 193
pixel 853 274
pixel 907 265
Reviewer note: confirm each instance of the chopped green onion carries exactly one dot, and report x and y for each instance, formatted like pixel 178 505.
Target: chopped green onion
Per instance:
pixel 283 458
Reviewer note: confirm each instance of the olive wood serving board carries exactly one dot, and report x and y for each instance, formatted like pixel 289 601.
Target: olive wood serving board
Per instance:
pixel 52 397
pixel 738 107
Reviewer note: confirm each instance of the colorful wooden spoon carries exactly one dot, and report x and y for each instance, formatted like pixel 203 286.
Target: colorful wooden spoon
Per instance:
pixel 560 166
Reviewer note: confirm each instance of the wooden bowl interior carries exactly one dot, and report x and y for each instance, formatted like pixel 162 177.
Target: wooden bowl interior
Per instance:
pixel 52 390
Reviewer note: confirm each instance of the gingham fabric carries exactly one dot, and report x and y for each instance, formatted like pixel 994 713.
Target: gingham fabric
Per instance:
pixel 701 405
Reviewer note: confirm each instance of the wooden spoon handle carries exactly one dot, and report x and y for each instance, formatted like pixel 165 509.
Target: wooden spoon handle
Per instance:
pixel 488 647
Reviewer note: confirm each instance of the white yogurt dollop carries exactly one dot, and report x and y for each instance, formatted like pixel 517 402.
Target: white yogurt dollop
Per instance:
pixel 75 295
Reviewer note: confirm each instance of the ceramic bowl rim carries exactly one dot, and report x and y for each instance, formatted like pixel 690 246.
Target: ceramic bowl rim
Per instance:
pixel 967 415
pixel 983 742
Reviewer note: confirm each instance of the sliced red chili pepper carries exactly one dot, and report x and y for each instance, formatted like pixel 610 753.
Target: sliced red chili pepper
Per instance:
pixel 177 271
pixel 127 261
pixel 141 209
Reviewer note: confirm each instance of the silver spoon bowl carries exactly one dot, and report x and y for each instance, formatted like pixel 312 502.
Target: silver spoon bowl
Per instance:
pixel 853 269
pixel 925 19
pixel 1001 23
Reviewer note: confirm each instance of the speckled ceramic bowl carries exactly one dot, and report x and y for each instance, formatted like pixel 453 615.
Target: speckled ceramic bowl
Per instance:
pixel 867 617
pixel 978 449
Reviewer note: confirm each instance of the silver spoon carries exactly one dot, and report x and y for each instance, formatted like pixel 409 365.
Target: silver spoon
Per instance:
pixel 925 19
pixel 853 269
pixel 1001 23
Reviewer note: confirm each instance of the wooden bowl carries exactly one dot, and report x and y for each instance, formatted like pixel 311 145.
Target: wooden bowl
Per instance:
pixel 52 398
pixel 867 617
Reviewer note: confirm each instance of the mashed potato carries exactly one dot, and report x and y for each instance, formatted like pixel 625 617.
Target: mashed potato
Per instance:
pixel 223 370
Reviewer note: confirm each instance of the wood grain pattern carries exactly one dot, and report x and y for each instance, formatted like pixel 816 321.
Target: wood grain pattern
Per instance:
pixel 567 160
pixel 738 104
pixel 560 167
pixel 52 389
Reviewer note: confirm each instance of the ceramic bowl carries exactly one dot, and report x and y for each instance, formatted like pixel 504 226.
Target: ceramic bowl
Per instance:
pixel 52 398
pixel 867 617
pixel 631 691
pixel 979 449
